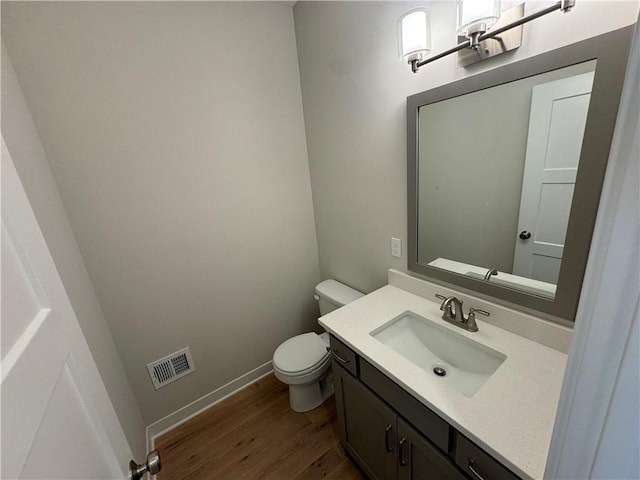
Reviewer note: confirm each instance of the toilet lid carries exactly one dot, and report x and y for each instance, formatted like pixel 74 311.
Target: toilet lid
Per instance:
pixel 300 353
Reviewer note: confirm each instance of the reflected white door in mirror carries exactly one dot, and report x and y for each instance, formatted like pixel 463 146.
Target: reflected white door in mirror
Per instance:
pixel 556 129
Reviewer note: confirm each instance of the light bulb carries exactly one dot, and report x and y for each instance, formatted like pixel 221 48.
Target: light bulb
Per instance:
pixel 414 34
pixel 477 16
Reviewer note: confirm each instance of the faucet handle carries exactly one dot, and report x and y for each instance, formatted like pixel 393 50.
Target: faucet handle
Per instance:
pixel 473 311
pixel 444 306
pixel 444 299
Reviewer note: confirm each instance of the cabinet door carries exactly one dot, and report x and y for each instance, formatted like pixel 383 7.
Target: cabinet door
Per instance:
pixel 419 459
pixel 367 427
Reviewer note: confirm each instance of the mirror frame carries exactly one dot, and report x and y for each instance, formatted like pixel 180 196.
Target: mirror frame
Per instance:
pixel 611 50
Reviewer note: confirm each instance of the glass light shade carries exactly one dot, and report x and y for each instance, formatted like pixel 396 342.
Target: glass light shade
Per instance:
pixel 414 34
pixel 477 15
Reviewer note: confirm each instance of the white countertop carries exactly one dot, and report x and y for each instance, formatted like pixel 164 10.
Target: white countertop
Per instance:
pixel 511 416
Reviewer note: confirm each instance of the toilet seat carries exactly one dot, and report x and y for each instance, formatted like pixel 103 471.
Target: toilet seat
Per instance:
pixel 301 355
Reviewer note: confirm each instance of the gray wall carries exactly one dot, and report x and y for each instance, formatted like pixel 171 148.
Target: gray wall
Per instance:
pixel 21 137
pixel 176 137
pixel 354 91
pixel 471 169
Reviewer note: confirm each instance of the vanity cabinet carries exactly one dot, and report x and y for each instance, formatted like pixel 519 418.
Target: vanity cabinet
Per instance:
pixel 384 445
pixel 367 427
pixel 392 436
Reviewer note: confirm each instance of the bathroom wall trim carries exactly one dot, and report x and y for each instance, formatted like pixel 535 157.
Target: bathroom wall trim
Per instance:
pixel 208 400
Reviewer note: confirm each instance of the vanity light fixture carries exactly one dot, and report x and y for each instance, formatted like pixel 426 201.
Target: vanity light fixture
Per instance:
pixel 475 19
pixel 414 35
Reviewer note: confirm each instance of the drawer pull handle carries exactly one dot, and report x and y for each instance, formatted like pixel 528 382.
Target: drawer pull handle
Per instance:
pixel 471 465
pixel 387 444
pixel 403 462
pixel 335 355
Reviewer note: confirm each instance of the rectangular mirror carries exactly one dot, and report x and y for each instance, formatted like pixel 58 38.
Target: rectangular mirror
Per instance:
pixel 501 197
pixel 505 170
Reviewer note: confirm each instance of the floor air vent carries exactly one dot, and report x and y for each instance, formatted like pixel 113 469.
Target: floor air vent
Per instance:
pixel 171 368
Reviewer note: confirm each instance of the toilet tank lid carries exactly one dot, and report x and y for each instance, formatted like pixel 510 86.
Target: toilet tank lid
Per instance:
pixel 337 293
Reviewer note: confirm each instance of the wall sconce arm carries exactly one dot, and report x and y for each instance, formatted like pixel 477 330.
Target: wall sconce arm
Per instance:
pixel 562 5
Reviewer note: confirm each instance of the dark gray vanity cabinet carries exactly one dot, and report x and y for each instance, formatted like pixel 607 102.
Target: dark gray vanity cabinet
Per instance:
pixel 392 436
pixel 367 427
pixel 384 445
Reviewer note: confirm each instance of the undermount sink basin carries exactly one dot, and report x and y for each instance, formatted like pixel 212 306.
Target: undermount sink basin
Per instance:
pixel 454 359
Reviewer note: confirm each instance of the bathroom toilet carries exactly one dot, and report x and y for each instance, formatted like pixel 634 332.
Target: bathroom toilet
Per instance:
pixel 303 362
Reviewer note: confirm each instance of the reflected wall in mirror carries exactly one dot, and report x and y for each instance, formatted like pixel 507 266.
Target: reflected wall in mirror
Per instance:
pixel 501 197
pixel 505 170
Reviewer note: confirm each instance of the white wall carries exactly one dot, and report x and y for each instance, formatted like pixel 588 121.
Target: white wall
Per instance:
pixel 175 134
pixel 354 91
pixel 26 150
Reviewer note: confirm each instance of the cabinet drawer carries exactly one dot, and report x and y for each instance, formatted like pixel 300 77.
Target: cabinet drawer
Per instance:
pixel 478 464
pixel 427 422
pixel 343 356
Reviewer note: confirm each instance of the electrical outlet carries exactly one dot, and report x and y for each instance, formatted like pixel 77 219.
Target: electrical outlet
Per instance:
pixel 396 247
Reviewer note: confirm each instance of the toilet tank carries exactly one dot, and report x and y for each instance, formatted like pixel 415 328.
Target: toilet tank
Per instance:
pixel 331 294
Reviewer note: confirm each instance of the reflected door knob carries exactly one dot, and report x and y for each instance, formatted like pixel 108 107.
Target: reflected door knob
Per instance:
pixel 524 235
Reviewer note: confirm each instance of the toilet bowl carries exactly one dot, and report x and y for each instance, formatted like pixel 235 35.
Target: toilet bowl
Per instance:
pixel 303 362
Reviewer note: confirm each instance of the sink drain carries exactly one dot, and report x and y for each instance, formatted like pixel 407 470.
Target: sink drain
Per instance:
pixel 439 371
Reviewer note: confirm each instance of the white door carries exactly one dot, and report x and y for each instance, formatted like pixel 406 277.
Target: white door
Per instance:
pixel 57 420
pixel 556 128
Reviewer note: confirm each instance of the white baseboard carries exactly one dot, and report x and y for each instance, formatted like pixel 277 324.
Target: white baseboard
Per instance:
pixel 196 407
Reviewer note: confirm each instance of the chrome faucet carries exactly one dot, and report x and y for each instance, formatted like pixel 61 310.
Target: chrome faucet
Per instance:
pixel 492 271
pixel 453 313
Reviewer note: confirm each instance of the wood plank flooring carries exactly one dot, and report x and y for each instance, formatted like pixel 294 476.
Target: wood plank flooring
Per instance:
pixel 255 435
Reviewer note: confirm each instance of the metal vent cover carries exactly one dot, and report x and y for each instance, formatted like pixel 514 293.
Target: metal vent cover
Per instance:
pixel 170 368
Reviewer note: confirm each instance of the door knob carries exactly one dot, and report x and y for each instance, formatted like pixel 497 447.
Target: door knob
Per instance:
pixel 152 465
pixel 524 235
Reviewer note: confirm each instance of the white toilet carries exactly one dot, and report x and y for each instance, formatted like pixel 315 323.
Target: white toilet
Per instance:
pixel 303 362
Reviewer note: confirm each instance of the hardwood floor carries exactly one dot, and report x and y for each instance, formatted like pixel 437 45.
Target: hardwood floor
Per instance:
pixel 255 435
